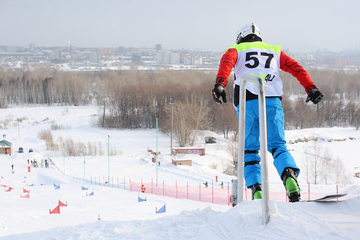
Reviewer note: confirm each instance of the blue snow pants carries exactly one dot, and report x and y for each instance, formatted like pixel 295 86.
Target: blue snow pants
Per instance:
pixel 275 140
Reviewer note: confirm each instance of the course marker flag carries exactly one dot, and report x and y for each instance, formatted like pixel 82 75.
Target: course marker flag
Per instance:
pixel 55 210
pixel 141 200
pixel 61 204
pixel 162 210
pixel 25 196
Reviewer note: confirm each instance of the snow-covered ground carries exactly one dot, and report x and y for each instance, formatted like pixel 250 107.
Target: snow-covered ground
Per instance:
pixel 123 217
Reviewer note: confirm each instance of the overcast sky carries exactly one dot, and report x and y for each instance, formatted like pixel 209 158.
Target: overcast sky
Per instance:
pixel 206 25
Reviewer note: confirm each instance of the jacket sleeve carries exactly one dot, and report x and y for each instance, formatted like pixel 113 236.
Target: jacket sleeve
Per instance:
pixel 227 63
pixel 291 66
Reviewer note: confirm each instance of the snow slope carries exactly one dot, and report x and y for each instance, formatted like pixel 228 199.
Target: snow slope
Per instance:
pixel 123 217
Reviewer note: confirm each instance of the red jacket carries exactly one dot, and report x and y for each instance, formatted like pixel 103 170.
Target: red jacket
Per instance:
pixel 287 64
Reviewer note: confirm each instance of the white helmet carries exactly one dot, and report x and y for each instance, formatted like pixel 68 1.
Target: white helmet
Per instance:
pixel 247 30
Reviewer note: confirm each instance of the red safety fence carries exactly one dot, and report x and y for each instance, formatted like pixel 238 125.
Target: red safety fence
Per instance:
pixel 214 193
pixel 197 193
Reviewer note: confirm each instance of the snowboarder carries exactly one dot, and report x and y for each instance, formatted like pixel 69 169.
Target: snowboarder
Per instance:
pixel 143 188
pixel 206 184
pixel 222 185
pixel 251 56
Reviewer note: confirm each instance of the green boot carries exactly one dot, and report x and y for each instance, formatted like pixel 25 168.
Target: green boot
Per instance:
pixel 291 185
pixel 256 191
pixel 257 195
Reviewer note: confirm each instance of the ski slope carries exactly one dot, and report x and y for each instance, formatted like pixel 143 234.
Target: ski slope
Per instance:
pixel 115 213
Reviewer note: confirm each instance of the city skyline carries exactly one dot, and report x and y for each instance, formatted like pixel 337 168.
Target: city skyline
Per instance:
pixel 191 25
pixel 33 47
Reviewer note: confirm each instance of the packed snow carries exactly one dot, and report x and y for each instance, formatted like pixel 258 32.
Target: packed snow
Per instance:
pixel 112 211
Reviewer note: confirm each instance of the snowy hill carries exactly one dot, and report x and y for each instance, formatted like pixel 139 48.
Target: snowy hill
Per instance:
pixel 123 217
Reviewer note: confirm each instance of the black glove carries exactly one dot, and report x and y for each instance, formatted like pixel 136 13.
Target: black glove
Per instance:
pixel 219 92
pixel 315 96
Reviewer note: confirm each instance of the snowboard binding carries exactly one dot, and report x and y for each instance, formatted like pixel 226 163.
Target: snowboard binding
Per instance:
pixel 289 179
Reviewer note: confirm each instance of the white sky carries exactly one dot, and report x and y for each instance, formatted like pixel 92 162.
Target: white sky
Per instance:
pixel 306 25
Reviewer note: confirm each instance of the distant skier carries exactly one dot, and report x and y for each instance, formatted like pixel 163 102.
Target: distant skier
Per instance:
pixel 12 166
pixel 216 178
pixel 251 56
pixel 222 185
pixel 206 184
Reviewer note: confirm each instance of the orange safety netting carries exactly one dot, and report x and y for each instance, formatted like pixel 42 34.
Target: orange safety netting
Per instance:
pixel 196 193
pixel 211 194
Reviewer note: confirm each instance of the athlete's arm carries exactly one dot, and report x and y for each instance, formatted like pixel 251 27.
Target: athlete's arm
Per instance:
pixel 291 66
pixel 227 63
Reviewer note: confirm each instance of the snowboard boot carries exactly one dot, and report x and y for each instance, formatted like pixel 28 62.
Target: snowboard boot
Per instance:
pixel 256 191
pixel 291 185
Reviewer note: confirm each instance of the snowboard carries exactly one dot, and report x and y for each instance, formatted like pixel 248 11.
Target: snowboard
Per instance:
pixel 327 198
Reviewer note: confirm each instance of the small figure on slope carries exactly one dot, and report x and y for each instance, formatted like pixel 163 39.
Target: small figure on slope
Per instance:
pixel 143 188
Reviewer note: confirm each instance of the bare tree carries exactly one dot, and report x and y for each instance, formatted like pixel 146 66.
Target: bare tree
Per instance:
pixel 302 114
pixel 313 163
pixel 357 119
pixel 339 173
pixel 233 148
pixel 189 117
pixel 351 111
pixel 224 119
pixel 326 166
pixel 307 165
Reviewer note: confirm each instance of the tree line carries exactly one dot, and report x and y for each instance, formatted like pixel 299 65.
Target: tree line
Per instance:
pixel 135 99
pixel 44 86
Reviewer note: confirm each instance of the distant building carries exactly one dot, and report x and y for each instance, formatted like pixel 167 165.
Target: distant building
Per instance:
pixel 159 57
pixel 106 51
pixel 58 54
pixel 167 57
pixel 136 58
pixel 196 60
pixel 158 47
pixel 11 49
pixel 71 53
pixel 94 58
pixel 31 47
pixel 186 58
pixel 175 58
pixel 163 57
pixel 286 51
pixel 5 147
pixel 295 56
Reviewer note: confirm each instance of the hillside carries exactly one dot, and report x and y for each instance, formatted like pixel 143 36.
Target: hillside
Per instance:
pixel 123 217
